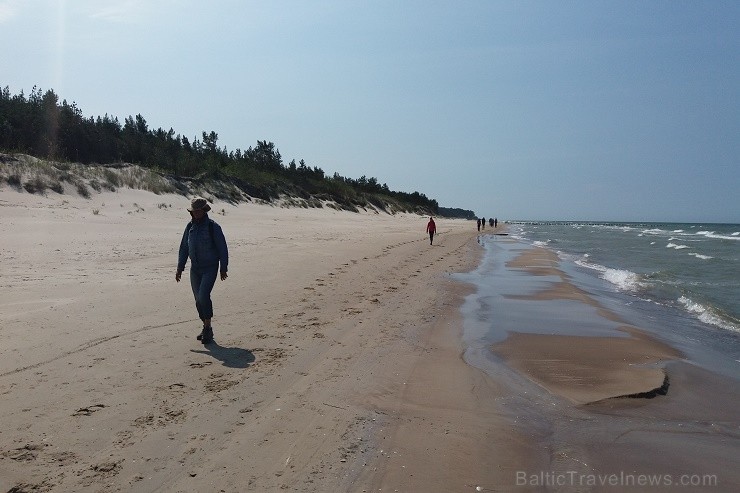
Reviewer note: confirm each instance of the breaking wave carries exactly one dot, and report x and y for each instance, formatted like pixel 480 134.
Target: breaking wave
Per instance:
pixel 699 255
pixel 707 315
pixel 624 279
pixel 712 234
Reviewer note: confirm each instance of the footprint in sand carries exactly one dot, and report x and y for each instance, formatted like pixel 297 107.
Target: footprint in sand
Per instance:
pixel 143 421
pixel 87 411
pixel 167 417
pixel 217 383
pixel 124 439
pixel 26 453
pixel 63 458
pixel 24 487
pixel 269 357
pixel 200 365
pixel 103 471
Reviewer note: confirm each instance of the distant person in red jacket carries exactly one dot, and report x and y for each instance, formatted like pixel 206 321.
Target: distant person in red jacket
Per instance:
pixel 431 229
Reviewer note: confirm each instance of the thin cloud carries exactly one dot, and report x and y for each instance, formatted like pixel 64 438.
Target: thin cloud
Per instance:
pixel 8 10
pixel 118 11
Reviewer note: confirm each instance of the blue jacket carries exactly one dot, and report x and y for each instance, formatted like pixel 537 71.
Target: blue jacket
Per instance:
pixel 204 251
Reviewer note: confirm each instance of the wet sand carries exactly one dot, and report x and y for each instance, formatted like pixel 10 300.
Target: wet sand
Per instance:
pixel 604 367
pixel 609 401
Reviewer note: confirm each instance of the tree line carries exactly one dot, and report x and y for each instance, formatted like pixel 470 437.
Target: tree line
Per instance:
pixel 39 125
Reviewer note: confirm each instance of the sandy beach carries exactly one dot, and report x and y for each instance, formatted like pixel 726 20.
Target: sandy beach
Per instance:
pixel 337 363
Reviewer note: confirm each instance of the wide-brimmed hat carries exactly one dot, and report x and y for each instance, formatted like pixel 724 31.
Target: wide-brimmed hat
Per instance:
pixel 199 204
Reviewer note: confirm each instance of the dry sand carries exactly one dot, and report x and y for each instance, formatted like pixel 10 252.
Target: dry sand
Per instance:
pixel 336 364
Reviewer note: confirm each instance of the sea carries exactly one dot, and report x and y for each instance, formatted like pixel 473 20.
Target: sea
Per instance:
pixel 691 267
pixel 680 282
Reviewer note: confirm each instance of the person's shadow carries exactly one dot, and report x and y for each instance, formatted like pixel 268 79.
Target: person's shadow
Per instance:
pixel 233 357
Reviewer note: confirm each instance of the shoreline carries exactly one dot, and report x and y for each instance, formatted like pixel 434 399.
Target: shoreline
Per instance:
pixel 446 430
pixel 607 396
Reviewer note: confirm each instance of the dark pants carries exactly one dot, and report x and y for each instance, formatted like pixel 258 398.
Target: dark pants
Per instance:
pixel 202 282
pixel 431 237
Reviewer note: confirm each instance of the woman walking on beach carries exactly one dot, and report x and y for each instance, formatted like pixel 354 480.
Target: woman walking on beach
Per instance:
pixel 204 243
pixel 431 229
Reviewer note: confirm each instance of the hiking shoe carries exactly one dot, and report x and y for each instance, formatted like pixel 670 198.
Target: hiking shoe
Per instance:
pixel 203 331
pixel 207 335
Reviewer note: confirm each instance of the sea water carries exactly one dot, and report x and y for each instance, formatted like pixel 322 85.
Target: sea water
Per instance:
pixel 691 267
pixel 680 282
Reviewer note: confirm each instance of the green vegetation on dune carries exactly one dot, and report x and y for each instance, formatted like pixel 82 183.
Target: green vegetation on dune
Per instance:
pixel 57 134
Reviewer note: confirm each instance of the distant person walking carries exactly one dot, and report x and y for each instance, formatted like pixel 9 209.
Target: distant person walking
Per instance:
pixel 495 222
pixel 478 224
pixel 483 222
pixel 204 243
pixel 431 229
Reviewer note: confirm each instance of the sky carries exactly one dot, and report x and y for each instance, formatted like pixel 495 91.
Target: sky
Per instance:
pixel 541 110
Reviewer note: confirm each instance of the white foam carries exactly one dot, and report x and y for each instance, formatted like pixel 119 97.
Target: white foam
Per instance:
pixel 677 231
pixel 623 279
pixel 712 234
pixel 541 243
pixel 699 255
pixel 705 315
pixel 677 247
